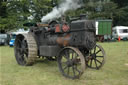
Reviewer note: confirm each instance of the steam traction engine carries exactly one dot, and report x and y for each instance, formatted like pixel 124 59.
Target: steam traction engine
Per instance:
pixel 74 46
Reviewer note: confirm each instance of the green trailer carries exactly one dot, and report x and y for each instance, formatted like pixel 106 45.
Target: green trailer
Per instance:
pixel 103 29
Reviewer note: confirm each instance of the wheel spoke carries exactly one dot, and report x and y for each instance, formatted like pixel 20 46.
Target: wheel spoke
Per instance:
pixel 19 50
pixel 20 59
pixel 65 67
pixel 26 51
pixel 95 49
pixel 19 41
pixel 20 55
pixel 98 61
pixel 77 69
pixel 23 42
pixel 98 51
pixel 100 56
pixel 73 70
pixel 64 62
pixel 67 55
pixel 68 70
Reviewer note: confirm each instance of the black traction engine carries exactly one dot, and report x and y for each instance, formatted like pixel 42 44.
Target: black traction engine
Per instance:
pixel 72 45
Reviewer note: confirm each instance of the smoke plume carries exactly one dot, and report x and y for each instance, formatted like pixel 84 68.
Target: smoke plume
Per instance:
pixel 57 12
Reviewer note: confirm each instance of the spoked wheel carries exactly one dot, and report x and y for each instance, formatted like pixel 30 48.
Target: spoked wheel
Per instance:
pixel 71 62
pixel 25 49
pixel 96 58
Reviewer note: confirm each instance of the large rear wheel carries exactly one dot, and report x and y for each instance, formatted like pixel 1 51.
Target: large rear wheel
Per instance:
pixel 25 49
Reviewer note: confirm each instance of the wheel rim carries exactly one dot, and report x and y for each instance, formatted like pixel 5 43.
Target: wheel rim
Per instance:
pixel 71 63
pixel 96 58
pixel 21 50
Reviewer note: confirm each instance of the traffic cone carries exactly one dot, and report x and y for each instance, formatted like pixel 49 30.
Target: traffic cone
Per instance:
pixel 119 38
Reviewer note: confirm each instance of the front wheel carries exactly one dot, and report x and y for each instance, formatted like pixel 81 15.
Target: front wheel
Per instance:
pixel 71 62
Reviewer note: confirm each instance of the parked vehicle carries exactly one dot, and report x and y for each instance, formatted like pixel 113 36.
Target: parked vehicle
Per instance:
pixel 4 39
pixel 103 30
pixel 120 32
pixel 12 41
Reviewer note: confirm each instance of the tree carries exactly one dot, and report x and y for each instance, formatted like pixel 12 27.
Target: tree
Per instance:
pixel 97 9
pixel 40 8
pixel 29 8
pixel 100 9
pixel 106 9
pixel 121 18
pixel 19 11
pixel 3 8
pixel 3 15
pixel 14 13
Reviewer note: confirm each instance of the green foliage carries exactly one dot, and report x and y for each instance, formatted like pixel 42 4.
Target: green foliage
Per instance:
pixel 100 10
pixel 14 13
pixel 97 10
pixel 121 18
pixel 7 23
pixel 3 12
pixel 40 8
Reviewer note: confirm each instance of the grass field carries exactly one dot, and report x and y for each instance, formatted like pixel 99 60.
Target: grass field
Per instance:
pixel 114 72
